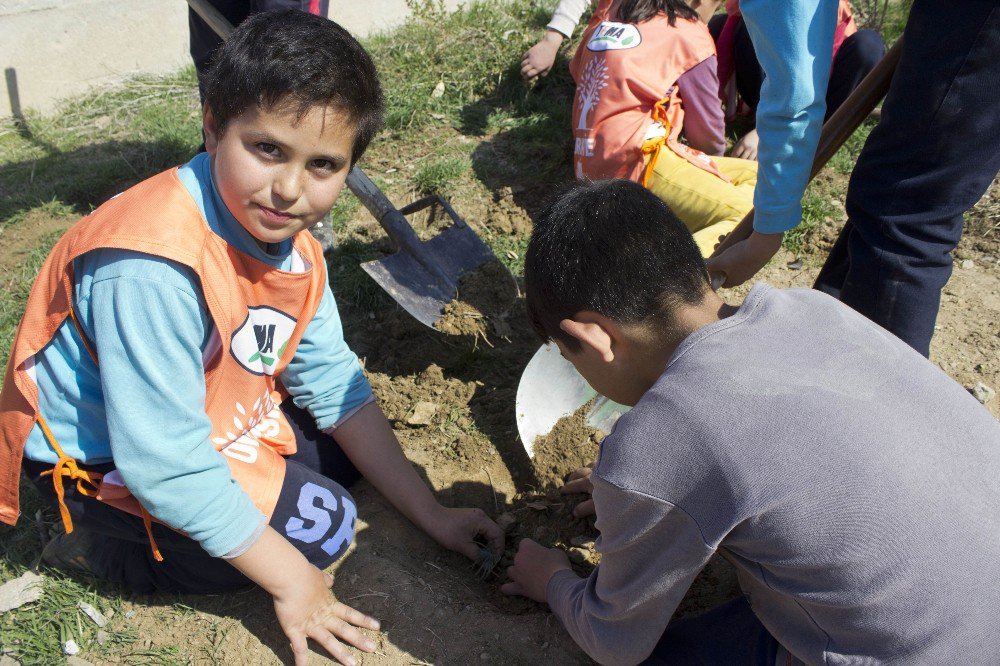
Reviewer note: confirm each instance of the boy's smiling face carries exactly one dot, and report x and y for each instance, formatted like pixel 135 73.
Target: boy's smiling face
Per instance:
pixel 279 173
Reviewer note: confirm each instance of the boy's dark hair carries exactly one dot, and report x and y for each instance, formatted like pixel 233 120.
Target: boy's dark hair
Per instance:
pixel 293 57
pixel 614 248
pixel 637 11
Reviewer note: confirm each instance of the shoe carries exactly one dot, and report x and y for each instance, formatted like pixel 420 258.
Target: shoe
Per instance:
pixel 322 232
pixel 71 552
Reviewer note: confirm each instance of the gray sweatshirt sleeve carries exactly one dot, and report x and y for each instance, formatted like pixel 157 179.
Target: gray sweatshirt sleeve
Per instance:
pixel 567 15
pixel 651 551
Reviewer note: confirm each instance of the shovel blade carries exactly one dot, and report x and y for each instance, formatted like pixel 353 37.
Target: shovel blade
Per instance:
pixel 551 388
pixel 424 279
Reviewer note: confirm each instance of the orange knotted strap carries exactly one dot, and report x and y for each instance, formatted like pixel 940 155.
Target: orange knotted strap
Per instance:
pixel 87 484
pixel 652 147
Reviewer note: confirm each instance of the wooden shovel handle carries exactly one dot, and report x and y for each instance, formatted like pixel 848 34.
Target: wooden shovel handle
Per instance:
pixel 838 128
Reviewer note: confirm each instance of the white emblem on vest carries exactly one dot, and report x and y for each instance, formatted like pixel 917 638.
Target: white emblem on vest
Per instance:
pixel 261 339
pixel 611 36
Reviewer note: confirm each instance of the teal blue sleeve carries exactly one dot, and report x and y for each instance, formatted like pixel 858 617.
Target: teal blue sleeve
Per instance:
pixel 148 323
pixel 794 43
pixel 325 376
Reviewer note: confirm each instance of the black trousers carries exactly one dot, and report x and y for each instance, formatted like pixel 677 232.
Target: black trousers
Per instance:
pixel 932 156
pixel 204 40
pixel 314 512
pixel 858 54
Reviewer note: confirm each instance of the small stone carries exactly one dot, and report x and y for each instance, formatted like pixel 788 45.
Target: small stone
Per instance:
pixel 423 413
pixel 506 521
pixel 102 637
pixel 795 264
pixel 92 613
pixel 577 555
pixel 70 647
pixel 582 541
pixel 968 264
pixel 22 590
pixel 983 393
pixel 438 89
pixel 129 615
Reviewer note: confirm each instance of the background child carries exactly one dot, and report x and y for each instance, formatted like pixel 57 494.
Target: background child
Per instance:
pixel 850 482
pixel 646 73
pixel 151 373
pixel 855 53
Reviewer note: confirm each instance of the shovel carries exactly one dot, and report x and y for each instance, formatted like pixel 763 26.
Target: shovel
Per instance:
pixel 551 388
pixel 421 276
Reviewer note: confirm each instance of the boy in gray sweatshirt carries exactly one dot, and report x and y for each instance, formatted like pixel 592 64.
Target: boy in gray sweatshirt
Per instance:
pixel 854 486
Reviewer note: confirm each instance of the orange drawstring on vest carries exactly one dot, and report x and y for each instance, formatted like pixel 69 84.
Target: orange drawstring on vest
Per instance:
pixel 653 147
pixel 87 483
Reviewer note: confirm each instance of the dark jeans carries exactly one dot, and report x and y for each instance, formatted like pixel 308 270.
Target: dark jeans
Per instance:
pixel 314 511
pixel 931 157
pixel 204 41
pixel 728 635
pixel 857 55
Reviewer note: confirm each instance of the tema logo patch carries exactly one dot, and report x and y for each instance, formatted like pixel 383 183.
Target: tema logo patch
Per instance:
pixel 611 36
pixel 261 339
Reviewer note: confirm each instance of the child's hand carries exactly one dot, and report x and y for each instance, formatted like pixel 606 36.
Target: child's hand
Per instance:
pixel 579 482
pixel 534 566
pixel 309 610
pixel 743 260
pixel 746 146
pixel 460 529
pixel 538 60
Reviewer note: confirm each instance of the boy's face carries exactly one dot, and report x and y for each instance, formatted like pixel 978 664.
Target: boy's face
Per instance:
pixel 279 174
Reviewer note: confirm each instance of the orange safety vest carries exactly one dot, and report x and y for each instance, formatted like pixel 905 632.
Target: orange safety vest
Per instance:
pixel 626 106
pixel 259 312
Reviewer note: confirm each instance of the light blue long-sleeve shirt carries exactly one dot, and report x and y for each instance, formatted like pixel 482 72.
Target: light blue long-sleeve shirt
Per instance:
pixel 144 409
pixel 794 44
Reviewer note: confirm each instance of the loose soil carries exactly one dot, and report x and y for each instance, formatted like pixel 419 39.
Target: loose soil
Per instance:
pixel 483 304
pixel 450 400
pixel 570 445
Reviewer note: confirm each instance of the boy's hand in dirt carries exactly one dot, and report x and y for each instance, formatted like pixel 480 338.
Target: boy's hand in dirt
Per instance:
pixel 462 530
pixel 579 482
pixel 538 60
pixel 743 260
pixel 534 566
pixel 309 610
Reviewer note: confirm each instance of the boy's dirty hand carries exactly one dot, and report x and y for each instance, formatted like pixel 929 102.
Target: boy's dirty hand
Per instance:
pixel 744 259
pixel 579 482
pixel 538 60
pixel 534 566
pixel 460 529
pixel 309 610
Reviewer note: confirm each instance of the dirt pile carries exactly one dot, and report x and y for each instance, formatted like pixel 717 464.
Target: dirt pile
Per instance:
pixel 482 308
pixel 570 445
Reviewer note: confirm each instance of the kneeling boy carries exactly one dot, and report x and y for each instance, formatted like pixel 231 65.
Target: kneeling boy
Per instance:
pixel 851 483
pixel 151 373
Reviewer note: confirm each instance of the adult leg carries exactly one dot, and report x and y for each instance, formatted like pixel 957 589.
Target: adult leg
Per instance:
pixel 930 158
pixel 857 56
pixel 728 635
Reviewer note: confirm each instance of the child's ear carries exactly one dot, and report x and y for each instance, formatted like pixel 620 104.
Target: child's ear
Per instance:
pixel 594 331
pixel 211 129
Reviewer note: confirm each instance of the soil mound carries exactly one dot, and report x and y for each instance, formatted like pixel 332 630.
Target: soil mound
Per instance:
pixel 483 306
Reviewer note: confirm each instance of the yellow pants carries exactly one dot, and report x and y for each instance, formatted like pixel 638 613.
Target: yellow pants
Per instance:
pixel 707 205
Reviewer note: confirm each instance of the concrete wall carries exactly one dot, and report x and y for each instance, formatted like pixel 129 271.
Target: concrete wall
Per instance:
pixel 53 49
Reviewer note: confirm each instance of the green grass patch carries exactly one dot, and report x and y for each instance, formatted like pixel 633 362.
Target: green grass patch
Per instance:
pixel 440 176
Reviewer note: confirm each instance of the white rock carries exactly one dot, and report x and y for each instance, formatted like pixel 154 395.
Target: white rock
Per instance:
pixel 423 413
pixel 92 613
pixel 438 89
pixel 968 264
pixel 983 393
pixel 70 647
pixel 22 590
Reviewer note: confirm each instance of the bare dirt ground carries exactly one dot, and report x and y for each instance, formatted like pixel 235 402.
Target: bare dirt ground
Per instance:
pixel 450 399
